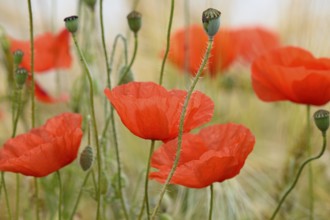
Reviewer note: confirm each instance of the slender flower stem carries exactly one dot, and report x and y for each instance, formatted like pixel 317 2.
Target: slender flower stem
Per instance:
pixel 182 116
pixel 18 184
pixel 104 45
pixel 146 183
pixel 298 175
pixel 112 119
pixel 91 97
pixel 6 195
pixel 167 43
pixel 60 196
pixel 36 196
pixel 132 60
pixel 79 195
pixel 18 98
pixel 310 169
pixel 211 201
pixel 32 64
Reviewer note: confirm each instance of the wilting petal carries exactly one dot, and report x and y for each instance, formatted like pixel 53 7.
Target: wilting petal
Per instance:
pixel 215 154
pixel 43 150
pixel 151 112
pixel 291 74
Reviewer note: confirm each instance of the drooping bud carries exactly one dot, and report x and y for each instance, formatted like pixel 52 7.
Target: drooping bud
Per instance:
pixel 134 21
pixel 321 119
pixel 18 56
pixel 128 75
pixel 90 3
pixel 86 158
pixel 71 23
pixel 211 21
pixel 21 75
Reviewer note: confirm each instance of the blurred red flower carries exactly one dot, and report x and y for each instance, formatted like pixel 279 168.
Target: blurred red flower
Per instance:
pixel 149 111
pixel 43 150
pixel 292 74
pixel 51 52
pixel 215 154
pixel 229 45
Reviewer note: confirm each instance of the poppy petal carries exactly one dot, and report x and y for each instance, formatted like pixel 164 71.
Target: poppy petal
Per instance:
pixel 45 149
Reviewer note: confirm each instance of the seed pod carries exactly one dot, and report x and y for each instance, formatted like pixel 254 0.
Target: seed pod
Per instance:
pixel 18 56
pixel 321 119
pixel 134 21
pixel 21 75
pixel 86 158
pixel 211 21
pixel 71 23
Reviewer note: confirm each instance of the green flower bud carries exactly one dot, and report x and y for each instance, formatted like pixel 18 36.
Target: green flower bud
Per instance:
pixel 211 21
pixel 18 56
pixel 128 76
pixel 86 158
pixel 321 119
pixel 21 75
pixel 71 23
pixel 134 21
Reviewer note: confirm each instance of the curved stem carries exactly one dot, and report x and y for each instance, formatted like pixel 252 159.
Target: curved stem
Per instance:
pixel 6 194
pixel 298 175
pixel 58 174
pixel 91 97
pixel 32 64
pixel 211 202
pixel 132 60
pixel 167 43
pixel 182 117
pixel 146 183
pixel 310 169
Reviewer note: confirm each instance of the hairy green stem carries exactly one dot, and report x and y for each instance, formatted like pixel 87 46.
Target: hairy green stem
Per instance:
pixel 287 192
pixel 167 43
pixel 6 195
pixel 92 109
pixel 60 196
pixel 36 197
pixel 310 169
pixel 182 117
pixel 132 59
pixel 79 195
pixel 32 64
pixel 211 201
pixel 145 200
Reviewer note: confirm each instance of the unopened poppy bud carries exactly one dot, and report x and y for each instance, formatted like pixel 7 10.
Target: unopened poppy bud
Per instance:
pixel 90 3
pixel 211 21
pixel 128 76
pixel 18 56
pixel 321 119
pixel 71 23
pixel 86 158
pixel 21 75
pixel 134 21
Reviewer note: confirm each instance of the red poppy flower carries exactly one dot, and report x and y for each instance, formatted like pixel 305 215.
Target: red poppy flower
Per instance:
pixel 229 45
pixel 151 112
pixel 293 74
pixel 43 150
pixel 222 55
pixel 251 42
pixel 215 154
pixel 51 51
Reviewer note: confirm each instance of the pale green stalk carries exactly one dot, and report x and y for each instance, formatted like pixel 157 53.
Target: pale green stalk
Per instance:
pixel 211 201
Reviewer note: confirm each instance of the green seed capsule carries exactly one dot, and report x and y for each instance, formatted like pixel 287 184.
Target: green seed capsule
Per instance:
pixel 71 23
pixel 321 119
pixel 18 56
pixel 21 75
pixel 211 21
pixel 134 21
pixel 86 158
